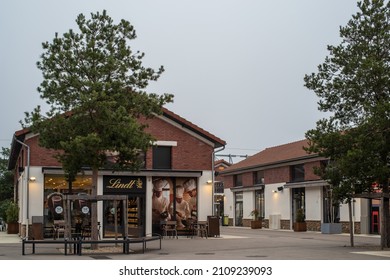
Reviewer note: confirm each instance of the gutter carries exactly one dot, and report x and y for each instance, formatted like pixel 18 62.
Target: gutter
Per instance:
pixel 27 183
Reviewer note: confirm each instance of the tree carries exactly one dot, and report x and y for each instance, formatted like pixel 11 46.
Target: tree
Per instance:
pixel 96 88
pixel 353 85
pixel 6 183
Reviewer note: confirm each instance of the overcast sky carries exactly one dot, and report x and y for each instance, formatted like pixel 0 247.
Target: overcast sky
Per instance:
pixel 236 68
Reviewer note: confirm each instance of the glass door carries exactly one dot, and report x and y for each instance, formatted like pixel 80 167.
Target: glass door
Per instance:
pixel 114 218
pixel 298 201
pixel 239 209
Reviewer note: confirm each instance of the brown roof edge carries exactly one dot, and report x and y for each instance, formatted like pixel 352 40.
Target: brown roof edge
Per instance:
pixel 16 147
pixel 189 125
pixel 273 155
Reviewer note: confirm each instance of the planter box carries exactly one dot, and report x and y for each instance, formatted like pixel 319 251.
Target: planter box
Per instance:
pixel 256 224
pixel 301 226
pixel 331 228
pixel 13 228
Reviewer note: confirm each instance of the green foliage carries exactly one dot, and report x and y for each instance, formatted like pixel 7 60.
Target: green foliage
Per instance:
pixel 12 212
pixel 3 208
pixel 6 177
pixel 96 88
pixel 353 85
pixel 300 216
pixel 255 214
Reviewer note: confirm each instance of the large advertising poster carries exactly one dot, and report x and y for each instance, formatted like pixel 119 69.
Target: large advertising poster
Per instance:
pixel 174 199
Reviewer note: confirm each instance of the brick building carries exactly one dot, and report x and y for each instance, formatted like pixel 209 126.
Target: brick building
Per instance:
pixel 179 164
pixel 280 180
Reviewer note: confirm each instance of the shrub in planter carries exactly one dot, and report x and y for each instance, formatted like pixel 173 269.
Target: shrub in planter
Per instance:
pixel 257 221
pixel 12 217
pixel 300 224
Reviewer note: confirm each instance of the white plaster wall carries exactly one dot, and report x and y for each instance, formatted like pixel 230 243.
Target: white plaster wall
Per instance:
pixel 313 203
pixel 228 203
pixel 36 193
pixel 248 204
pixel 148 205
pixel 205 196
pixel 22 200
pixel 356 211
pixel 277 203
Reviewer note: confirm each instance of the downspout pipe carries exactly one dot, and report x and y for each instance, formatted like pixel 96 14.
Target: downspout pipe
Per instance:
pixel 27 183
pixel 213 177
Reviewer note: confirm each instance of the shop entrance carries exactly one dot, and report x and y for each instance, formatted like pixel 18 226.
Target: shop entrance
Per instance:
pixel 114 214
pixel 133 219
pixel 239 209
pixel 375 222
pixel 298 201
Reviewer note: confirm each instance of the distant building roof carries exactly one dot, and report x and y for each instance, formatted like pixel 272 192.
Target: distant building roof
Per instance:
pixel 273 155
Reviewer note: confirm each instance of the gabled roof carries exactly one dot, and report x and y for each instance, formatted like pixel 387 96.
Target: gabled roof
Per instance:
pixel 20 135
pixel 222 162
pixel 273 155
pixel 218 142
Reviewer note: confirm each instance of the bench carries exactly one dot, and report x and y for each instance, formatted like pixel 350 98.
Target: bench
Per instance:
pixel 125 242
pixel 78 244
pixel 65 242
pixel 145 240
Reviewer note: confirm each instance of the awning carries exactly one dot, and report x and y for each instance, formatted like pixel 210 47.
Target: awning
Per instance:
pixel 306 184
pixel 247 188
pixel 154 173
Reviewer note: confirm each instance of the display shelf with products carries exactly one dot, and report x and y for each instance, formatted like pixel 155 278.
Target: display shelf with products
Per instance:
pixel 132 213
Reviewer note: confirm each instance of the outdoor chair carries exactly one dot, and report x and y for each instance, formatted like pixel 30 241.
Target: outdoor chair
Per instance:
pixel 169 229
pixel 59 228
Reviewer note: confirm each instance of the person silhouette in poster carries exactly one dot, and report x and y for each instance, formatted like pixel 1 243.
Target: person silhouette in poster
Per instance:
pixel 182 208
pixel 191 191
pixel 160 203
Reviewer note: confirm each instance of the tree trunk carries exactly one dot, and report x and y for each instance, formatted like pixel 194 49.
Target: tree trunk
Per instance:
pixel 384 213
pixel 94 224
pixel 351 225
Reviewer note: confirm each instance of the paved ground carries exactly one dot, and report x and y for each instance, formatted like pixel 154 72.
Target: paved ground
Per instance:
pixel 233 244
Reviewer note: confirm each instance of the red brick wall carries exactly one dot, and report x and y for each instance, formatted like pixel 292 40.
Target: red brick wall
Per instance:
pixel 277 175
pixel 40 156
pixel 247 179
pixel 309 170
pixel 189 154
pixel 228 181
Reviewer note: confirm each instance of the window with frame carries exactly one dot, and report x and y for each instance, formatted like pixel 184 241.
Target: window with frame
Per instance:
pixel 259 202
pixel 162 157
pixel 238 180
pixel 258 177
pixel 297 173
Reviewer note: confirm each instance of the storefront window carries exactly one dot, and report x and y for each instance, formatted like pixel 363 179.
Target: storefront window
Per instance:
pixel 298 202
pixel 174 199
pixel 55 186
pixel 239 209
pixel 114 217
pixel 331 208
pixel 259 202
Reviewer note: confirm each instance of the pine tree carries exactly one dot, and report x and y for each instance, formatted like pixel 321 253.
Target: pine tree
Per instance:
pixel 95 86
pixel 353 85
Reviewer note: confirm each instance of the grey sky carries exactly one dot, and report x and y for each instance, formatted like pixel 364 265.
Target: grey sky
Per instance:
pixel 236 68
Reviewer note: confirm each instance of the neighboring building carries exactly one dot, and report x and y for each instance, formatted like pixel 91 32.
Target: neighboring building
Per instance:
pixel 280 180
pixel 219 188
pixel 179 165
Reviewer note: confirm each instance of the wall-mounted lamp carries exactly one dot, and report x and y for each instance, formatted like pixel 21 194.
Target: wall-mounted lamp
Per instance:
pixel 274 191
pixel 32 179
pixel 209 182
